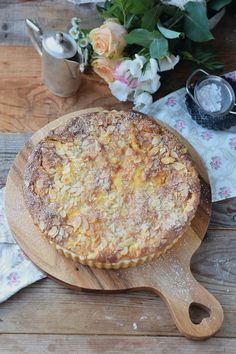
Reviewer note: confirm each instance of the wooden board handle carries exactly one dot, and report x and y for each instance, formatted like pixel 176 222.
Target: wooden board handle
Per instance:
pixel 182 297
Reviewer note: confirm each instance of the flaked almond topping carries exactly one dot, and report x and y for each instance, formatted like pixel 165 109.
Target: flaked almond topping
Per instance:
pixel 63 213
pixel 155 140
pixel 163 241
pixel 97 241
pixel 85 223
pixel 162 150
pixel 133 250
pixel 174 154
pixel 76 221
pixel 57 185
pixel 167 160
pixel 110 128
pixel 129 241
pixel 153 151
pixel 135 145
pixel 61 232
pixel 42 225
pixel 184 151
pixel 53 231
pixel 103 244
pixel 64 189
pixel 73 190
pixel 71 202
pixel 124 251
pixel 178 166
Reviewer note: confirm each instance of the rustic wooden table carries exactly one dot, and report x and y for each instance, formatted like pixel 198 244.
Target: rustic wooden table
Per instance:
pixel 47 317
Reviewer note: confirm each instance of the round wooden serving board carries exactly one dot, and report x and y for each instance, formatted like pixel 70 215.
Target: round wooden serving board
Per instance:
pixel 169 276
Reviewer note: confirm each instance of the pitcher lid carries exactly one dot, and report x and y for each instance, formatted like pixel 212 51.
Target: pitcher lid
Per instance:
pixel 59 44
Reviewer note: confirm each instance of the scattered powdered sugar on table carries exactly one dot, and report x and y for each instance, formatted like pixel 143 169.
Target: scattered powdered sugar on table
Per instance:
pixel 210 98
pixel 120 324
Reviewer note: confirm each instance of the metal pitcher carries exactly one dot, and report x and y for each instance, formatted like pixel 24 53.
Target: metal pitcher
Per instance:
pixel 60 60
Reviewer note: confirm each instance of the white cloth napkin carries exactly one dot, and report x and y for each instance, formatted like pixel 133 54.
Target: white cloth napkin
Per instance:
pixel 16 270
pixel 216 148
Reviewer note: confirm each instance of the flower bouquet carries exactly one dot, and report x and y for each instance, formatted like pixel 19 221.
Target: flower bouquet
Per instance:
pixel 141 39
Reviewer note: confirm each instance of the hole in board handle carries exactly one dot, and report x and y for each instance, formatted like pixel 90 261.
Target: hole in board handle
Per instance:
pixel 197 312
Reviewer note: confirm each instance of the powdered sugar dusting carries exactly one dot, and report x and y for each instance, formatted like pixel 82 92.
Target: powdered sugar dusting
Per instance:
pixel 210 98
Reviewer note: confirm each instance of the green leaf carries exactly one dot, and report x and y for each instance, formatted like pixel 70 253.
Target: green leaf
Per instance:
pixel 196 26
pixel 141 37
pixel 159 47
pixel 129 20
pixel 117 9
pixel 218 4
pixel 174 19
pixel 140 6
pixel 85 30
pixel 167 32
pixel 203 57
pixel 100 9
pixel 151 16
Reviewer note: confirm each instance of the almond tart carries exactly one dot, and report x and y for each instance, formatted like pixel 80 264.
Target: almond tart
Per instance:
pixel 111 189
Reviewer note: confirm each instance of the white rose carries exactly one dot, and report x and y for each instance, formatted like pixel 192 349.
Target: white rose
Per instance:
pixel 142 100
pixel 136 65
pixel 168 62
pixel 124 68
pixel 120 90
pixel 150 70
pixel 132 78
pixel 150 86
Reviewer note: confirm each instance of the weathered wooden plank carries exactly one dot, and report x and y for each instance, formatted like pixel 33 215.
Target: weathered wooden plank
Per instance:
pixel 48 13
pixel 27 344
pixel 25 103
pixel 224 214
pixel 10 144
pixel 48 307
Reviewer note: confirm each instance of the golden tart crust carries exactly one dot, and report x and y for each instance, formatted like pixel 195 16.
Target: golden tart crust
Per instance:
pixel 111 189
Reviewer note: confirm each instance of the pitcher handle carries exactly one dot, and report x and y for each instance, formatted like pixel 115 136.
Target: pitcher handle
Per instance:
pixel 35 34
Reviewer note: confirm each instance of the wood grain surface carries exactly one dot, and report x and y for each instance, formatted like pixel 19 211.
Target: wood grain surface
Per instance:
pixel 41 317
pixel 49 14
pixel 37 344
pixel 25 103
pixel 168 276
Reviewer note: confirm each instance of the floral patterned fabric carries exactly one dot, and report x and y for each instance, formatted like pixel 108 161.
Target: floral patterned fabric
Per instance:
pixel 16 270
pixel 216 148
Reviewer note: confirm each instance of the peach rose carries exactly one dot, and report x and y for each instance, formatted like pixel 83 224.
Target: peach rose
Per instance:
pixel 108 40
pixel 104 67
